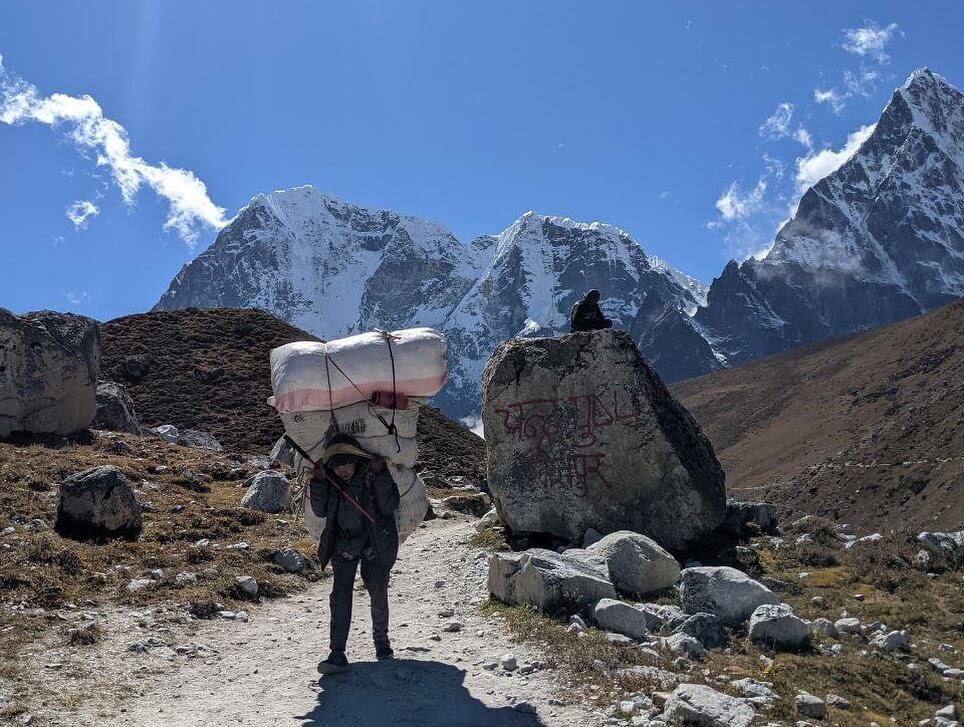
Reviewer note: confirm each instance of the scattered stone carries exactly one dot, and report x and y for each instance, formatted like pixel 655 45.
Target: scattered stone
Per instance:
pixel 49 366
pixel 754 689
pixel 185 578
pixel 268 491
pixel 489 520
pixel 810 706
pixel 452 626
pixel 637 564
pixel 612 615
pixel 835 700
pixel 949 712
pixel 98 503
pixel 686 645
pixel 247 586
pixel 291 560
pixel 706 628
pixel 890 642
pixel 726 592
pixel 826 627
pixel 548 580
pixel 115 409
pixel 949 545
pixel 665 617
pixel 866 540
pixel 186 437
pixel 775 626
pixel 618 639
pixel 139 584
pixel 697 704
pixel 646 448
pixel 849 625
pixel 508 662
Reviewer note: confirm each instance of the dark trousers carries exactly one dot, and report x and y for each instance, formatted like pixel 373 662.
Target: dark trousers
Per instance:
pixel 375 579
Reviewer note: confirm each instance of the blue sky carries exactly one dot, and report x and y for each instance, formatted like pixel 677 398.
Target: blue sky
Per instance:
pixel 682 123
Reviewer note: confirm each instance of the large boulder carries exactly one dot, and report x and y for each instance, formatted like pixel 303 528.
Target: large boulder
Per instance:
pixel 96 504
pixel 268 491
pixel 115 409
pixel 637 564
pixel 697 705
pixel 548 580
pixel 49 364
pixel 726 592
pixel 581 433
pixel 949 545
pixel 775 626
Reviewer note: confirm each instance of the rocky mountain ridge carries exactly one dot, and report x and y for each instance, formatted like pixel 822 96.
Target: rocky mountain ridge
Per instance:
pixel 878 240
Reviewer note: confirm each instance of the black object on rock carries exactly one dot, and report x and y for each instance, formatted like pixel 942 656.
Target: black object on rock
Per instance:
pixel 586 315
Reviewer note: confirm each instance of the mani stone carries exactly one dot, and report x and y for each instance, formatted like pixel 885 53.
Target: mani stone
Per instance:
pixel 581 433
pixel 49 364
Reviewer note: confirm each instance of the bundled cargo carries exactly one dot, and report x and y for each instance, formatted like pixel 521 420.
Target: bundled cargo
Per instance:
pixel 369 386
pixel 312 376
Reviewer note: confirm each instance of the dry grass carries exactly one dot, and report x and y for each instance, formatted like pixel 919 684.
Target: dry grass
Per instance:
pixel 894 593
pixel 189 495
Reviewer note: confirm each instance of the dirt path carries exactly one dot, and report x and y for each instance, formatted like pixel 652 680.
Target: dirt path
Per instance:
pixel 263 672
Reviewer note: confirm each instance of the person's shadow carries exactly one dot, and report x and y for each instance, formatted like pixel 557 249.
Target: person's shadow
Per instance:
pixel 406 692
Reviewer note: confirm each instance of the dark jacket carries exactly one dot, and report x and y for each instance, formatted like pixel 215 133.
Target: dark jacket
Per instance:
pixel 377 494
pixel 586 315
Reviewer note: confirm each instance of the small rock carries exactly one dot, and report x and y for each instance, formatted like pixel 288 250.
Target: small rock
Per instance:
pixel 776 626
pixel 452 626
pixel 684 644
pixel 291 560
pixel 446 612
pixel 826 627
pixel 810 706
pixel 184 578
pixel 835 700
pixel 247 586
pixel 508 662
pixel 848 625
pixel 893 641
pixel 618 639
pixel 139 584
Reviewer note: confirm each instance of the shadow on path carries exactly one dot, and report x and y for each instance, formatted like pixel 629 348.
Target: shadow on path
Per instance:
pixel 406 692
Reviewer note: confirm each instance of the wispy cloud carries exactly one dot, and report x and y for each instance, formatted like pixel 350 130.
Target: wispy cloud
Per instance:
pixel 79 212
pixel 831 96
pixel 814 167
pixel 190 209
pixel 803 137
pixel 871 40
pixel 735 204
pixel 777 125
pixel 81 298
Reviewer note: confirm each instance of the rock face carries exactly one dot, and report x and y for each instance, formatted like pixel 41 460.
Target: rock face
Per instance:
pixel 549 580
pixel 581 433
pixel 696 705
pixel 726 592
pixel 98 503
pixel 115 409
pixel 49 364
pixel 268 492
pixel 637 564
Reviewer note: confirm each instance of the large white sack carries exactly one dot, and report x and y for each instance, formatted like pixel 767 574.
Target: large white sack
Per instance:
pixel 310 429
pixel 361 420
pixel 357 367
pixel 413 504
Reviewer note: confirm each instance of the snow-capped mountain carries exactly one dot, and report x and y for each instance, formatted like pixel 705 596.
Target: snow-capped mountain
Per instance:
pixel 879 239
pixel 334 269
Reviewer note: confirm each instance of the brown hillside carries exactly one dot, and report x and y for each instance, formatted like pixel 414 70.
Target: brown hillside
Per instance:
pixel 208 370
pixel 867 429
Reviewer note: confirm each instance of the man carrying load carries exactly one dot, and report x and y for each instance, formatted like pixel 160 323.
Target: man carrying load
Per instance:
pixel 357 496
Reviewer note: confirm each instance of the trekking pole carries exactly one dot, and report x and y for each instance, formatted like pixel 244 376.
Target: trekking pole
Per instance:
pixel 334 484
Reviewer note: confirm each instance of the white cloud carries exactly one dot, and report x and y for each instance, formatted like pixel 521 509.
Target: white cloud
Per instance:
pixel 663 195
pixel 871 40
pixel 189 207
pixel 830 96
pixel 802 136
pixel 77 298
pixel 811 169
pixel 734 204
pixel 777 125
pixel 862 83
pixel 80 210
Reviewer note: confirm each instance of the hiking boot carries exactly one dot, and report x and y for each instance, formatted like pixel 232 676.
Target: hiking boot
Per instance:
pixel 383 651
pixel 334 664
